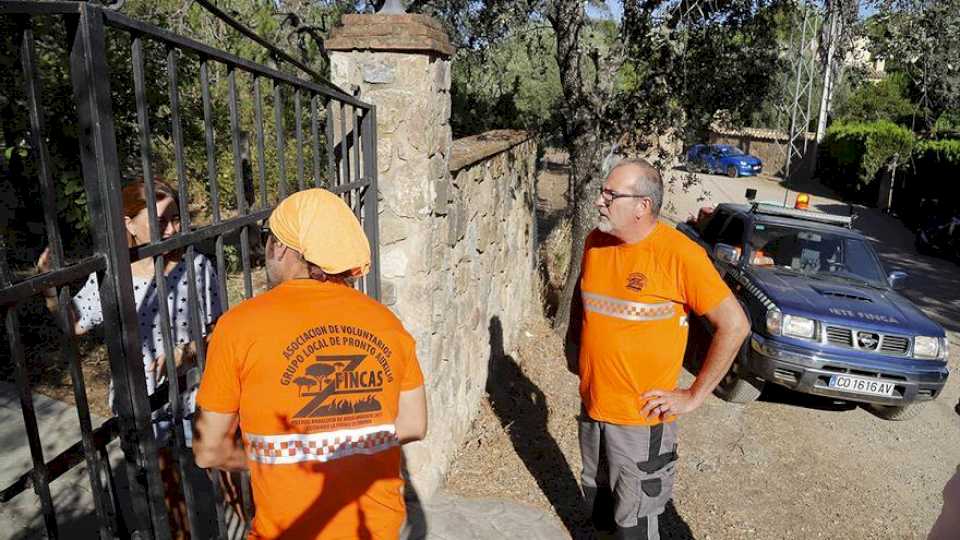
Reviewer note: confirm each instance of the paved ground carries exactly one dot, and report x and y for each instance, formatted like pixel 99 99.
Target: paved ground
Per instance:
pixel 72 496
pixel 448 517
pixel 786 466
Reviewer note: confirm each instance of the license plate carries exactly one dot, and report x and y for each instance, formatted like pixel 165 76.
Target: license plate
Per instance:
pixel 861 386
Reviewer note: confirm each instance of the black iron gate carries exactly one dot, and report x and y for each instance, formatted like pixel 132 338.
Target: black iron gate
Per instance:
pixel 329 130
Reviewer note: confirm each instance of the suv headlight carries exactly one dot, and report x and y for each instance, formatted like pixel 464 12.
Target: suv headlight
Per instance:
pixel 927 347
pixel 800 327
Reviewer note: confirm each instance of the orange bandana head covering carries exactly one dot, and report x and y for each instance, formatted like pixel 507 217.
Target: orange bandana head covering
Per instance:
pixel 322 227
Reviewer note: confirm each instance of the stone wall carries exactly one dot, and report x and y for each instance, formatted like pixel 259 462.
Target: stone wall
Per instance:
pixel 484 284
pixel 457 257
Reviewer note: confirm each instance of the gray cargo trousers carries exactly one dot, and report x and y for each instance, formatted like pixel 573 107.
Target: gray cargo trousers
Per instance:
pixel 636 465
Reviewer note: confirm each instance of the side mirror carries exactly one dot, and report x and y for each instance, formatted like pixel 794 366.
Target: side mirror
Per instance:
pixel 897 280
pixel 727 253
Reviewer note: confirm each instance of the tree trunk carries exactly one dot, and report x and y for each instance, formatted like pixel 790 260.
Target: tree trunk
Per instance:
pixel 581 139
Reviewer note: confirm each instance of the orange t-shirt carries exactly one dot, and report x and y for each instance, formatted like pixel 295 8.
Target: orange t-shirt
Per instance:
pixel 315 371
pixel 636 299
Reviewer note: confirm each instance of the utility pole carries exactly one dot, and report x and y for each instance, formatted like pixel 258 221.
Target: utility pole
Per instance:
pixel 797 102
pixel 836 22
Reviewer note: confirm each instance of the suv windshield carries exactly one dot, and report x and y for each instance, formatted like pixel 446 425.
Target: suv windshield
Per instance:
pixel 822 254
pixel 729 151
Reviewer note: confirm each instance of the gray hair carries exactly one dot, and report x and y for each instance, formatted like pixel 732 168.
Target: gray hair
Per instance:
pixel 648 183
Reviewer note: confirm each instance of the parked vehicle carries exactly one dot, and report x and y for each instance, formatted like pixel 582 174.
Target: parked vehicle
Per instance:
pixel 826 318
pixel 940 236
pixel 722 159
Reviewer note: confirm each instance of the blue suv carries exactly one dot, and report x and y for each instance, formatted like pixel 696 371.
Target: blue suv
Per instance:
pixel 826 318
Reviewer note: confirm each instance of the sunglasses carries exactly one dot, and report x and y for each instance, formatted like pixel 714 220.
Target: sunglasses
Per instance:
pixel 265 234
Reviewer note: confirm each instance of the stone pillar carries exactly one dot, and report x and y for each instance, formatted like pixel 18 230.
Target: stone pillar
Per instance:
pixel 401 64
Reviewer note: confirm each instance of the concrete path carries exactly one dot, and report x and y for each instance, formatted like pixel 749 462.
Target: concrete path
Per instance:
pixel 448 517
pixel 72 496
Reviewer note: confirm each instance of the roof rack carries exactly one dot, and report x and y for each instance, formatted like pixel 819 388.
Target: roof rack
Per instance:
pixel 774 210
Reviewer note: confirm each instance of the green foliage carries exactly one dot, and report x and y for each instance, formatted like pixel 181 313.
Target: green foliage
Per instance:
pixel 921 38
pixel 506 85
pixel 293 26
pixel 732 66
pixel 945 151
pixel 886 99
pixel 929 176
pixel 853 154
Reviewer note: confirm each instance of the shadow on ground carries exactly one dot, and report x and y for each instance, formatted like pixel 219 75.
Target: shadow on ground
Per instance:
pixel 774 393
pixel 522 410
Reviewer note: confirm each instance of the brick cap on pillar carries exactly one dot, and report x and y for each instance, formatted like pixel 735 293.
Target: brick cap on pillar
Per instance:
pixel 377 32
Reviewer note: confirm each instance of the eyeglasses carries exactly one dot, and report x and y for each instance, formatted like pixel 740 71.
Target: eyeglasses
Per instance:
pixel 164 222
pixel 610 195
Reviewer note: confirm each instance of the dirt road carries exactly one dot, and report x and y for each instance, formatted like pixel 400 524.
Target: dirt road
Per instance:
pixel 786 466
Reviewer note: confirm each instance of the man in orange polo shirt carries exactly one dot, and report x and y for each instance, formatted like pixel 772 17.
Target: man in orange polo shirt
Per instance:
pixel 639 281
pixel 322 381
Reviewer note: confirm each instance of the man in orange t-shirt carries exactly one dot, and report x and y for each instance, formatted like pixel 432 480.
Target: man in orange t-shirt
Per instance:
pixel 639 281
pixel 322 381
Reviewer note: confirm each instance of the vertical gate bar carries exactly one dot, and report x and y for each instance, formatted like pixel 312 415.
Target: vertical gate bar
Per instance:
pixel 68 346
pixel 331 157
pixel 299 132
pixel 261 143
pixel 278 120
pixel 355 140
pixel 41 485
pixel 238 172
pixel 32 93
pixel 111 482
pixel 212 177
pixel 315 140
pixel 167 333
pixel 344 150
pixel 358 194
pixel 184 196
pixel 101 172
pixel 370 199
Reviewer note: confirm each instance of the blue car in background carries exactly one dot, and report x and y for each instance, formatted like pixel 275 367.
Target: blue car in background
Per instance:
pixel 722 159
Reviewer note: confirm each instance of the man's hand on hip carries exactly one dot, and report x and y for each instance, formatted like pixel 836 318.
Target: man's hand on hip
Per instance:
pixel 666 404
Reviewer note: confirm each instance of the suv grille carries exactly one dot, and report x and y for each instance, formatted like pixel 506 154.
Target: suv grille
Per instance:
pixel 894 344
pixel 840 336
pixel 889 345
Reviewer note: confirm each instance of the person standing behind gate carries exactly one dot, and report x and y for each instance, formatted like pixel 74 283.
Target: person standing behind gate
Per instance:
pixel 322 381
pixel 626 339
pixel 86 314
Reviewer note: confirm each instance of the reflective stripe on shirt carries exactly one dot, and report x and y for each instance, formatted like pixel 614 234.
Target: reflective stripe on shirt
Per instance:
pixel 326 446
pixel 624 309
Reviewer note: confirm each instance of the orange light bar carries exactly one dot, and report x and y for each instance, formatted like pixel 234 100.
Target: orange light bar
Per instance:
pixel 803 201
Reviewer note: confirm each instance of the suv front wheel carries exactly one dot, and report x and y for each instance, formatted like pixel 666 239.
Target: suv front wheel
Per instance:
pixel 737 388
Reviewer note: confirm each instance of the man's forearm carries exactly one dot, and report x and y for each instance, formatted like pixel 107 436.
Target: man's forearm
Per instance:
pixel 235 458
pixel 229 456
pixel 723 349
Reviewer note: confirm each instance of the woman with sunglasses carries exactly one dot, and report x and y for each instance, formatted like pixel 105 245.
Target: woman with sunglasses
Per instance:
pixel 86 313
